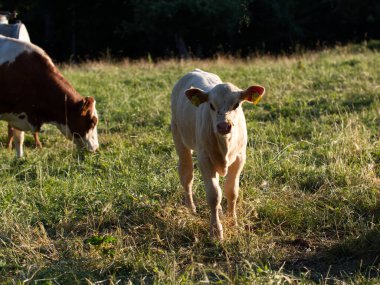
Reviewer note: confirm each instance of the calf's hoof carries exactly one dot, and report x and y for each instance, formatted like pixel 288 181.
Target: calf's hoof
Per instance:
pixel 190 205
pixel 216 233
pixel 192 209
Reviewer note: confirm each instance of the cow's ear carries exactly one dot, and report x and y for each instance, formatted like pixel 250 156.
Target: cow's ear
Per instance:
pixel 196 96
pixel 252 94
pixel 88 105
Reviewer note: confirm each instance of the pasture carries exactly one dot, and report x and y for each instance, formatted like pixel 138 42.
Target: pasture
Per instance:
pixel 308 209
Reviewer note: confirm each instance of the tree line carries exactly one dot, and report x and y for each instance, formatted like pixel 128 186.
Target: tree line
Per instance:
pixel 84 29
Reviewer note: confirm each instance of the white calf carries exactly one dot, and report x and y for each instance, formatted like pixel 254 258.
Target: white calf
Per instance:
pixel 207 117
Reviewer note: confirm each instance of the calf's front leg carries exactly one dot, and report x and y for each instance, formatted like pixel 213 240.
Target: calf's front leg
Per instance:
pixel 231 186
pixel 213 194
pixel 185 168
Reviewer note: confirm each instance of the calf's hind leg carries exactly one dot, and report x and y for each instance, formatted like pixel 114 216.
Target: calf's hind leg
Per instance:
pixel 185 168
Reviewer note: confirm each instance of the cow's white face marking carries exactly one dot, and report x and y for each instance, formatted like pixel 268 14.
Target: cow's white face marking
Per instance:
pixel 91 139
pixel 19 121
pixel 11 49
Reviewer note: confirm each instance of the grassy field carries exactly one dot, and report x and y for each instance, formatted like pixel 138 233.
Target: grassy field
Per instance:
pixel 308 209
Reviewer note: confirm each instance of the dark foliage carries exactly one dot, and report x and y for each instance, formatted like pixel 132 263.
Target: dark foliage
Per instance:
pixel 165 28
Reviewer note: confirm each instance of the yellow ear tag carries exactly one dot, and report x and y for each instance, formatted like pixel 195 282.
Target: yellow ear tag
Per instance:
pixel 256 97
pixel 195 101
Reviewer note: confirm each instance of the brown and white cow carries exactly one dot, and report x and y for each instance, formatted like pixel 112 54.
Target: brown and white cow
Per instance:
pixel 207 117
pixel 33 92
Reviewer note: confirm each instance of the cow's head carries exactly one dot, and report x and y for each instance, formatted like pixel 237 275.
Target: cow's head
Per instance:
pixel 82 127
pixel 89 121
pixel 225 102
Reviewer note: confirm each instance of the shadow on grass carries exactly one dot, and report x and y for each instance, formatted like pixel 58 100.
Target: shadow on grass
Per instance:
pixel 344 261
pixel 350 259
pixel 137 245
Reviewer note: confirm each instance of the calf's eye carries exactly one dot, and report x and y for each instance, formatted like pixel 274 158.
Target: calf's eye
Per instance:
pixel 236 105
pixel 212 107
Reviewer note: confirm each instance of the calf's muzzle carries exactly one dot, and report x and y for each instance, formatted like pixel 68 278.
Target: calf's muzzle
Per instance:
pixel 223 128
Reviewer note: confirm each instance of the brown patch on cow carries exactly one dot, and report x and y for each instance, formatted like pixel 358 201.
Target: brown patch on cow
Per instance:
pixel 32 85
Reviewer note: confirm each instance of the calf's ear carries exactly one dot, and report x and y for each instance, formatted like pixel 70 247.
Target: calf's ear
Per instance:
pixel 196 96
pixel 88 105
pixel 252 94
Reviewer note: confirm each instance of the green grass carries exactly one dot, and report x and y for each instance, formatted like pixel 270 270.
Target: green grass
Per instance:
pixel 308 210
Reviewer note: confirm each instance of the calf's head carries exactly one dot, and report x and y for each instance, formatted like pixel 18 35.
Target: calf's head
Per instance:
pixel 82 127
pixel 225 102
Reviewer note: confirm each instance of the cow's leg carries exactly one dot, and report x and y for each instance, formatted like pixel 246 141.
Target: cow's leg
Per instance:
pixel 37 140
pixel 185 168
pixel 213 194
pixel 231 186
pixel 10 136
pixel 19 141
